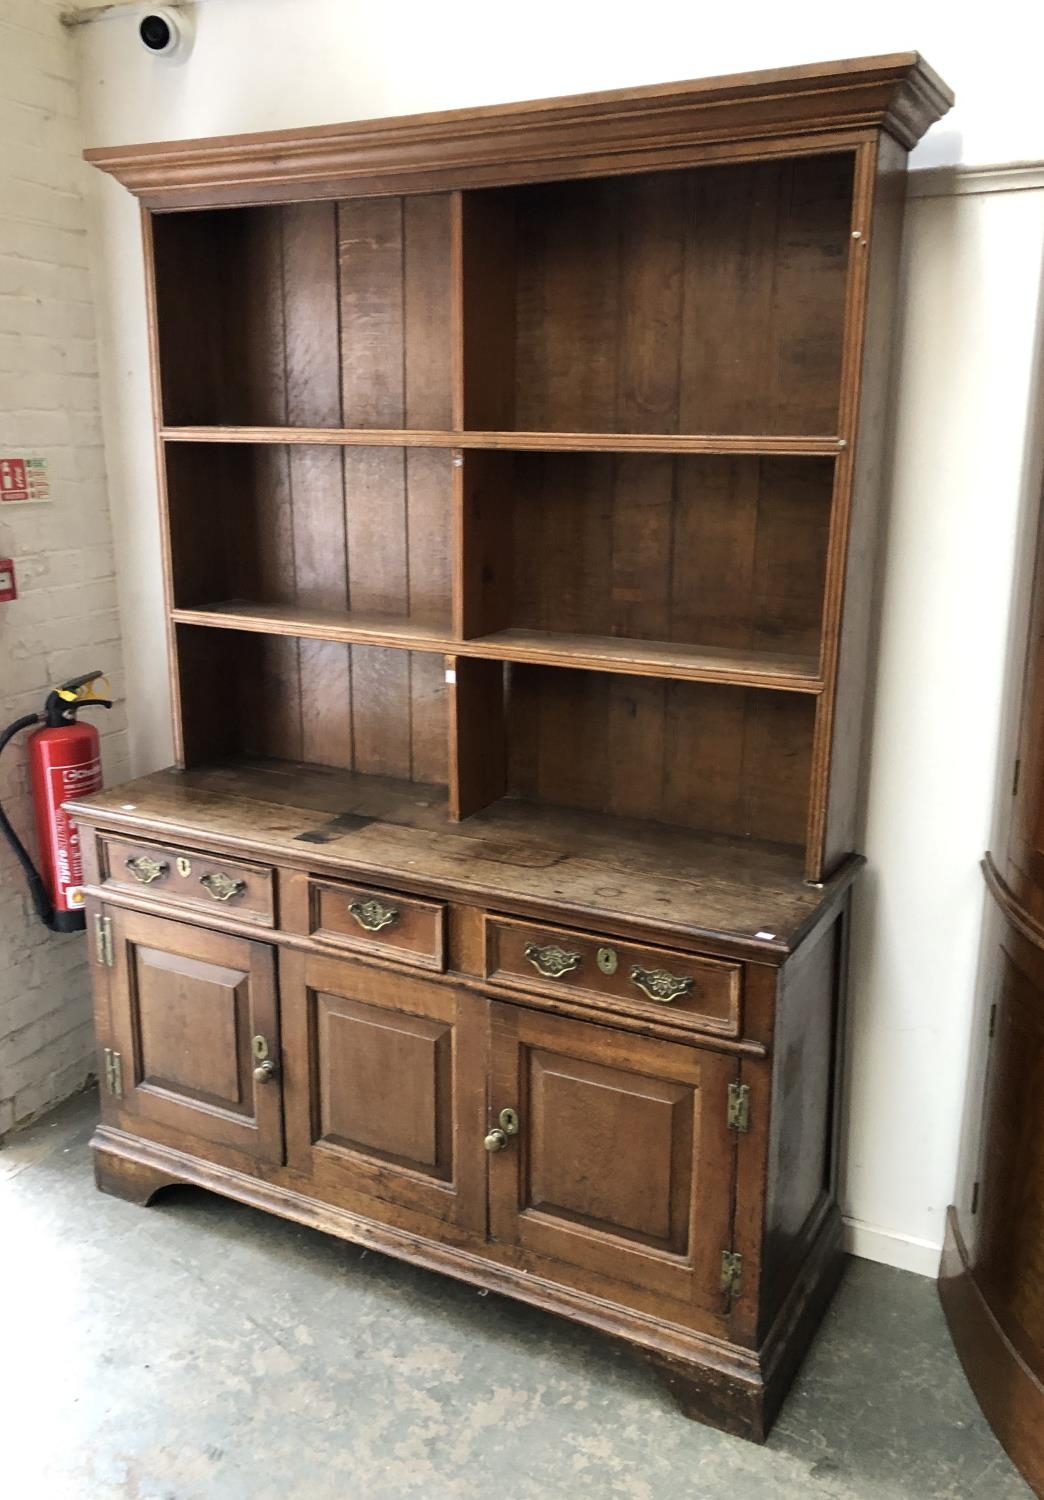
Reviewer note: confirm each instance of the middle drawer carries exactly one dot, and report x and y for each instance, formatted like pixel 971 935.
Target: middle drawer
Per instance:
pixel 681 988
pixel 380 922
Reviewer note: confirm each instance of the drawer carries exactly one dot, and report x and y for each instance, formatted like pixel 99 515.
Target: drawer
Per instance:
pixel 381 922
pixel 703 993
pixel 186 877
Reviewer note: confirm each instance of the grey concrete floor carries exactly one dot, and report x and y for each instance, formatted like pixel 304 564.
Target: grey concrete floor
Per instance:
pixel 199 1350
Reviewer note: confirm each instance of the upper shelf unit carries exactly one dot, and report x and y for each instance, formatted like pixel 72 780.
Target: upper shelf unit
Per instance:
pixel 708 301
pixel 533 452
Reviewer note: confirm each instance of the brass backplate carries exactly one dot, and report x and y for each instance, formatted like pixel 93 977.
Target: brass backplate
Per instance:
pixel 608 960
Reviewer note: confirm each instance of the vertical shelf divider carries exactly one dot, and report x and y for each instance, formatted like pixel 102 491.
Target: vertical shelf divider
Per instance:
pixel 478 740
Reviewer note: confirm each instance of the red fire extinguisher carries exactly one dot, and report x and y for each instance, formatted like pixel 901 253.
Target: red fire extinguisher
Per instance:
pixel 63 762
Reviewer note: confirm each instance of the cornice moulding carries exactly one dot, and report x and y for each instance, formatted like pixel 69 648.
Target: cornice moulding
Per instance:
pixel 587 134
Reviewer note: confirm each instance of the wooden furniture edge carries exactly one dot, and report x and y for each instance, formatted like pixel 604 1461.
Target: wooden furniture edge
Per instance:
pixel 783 1350
pixel 743 445
pixel 1000 1379
pixel 1009 904
pixel 541 138
pixel 799 1318
pixel 153 1166
pixel 694 1366
pixel 313 860
pixel 666 660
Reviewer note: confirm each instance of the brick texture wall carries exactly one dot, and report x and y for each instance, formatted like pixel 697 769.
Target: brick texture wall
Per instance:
pixel 65 619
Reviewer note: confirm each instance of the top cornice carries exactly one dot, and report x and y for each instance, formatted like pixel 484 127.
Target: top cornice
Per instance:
pixel 582 135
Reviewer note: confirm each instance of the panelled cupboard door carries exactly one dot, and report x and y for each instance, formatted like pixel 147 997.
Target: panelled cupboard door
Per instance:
pixel 623 1162
pixel 385 1087
pixel 187 1005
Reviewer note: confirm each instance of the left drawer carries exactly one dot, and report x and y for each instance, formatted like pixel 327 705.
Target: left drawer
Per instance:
pixel 185 877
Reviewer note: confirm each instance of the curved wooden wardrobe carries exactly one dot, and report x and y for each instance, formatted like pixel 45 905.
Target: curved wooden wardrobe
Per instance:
pixel 992 1276
pixel 519 476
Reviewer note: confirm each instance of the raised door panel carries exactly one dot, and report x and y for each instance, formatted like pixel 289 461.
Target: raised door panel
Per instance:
pixel 623 1163
pixel 187 1005
pixel 384 1087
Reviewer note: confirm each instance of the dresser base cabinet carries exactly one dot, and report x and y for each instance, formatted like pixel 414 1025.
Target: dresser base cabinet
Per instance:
pixel 647 1148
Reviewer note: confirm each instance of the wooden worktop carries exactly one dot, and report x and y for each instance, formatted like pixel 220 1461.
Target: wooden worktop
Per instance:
pixel 514 853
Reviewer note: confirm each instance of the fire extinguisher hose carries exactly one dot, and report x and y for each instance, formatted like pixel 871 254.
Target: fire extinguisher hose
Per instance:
pixel 37 890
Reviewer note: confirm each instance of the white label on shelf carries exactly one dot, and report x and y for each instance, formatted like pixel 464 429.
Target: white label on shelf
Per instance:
pixel 451 674
pixel 767 935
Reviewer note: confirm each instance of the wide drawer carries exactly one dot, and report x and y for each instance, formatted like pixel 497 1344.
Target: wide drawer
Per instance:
pixel 173 874
pixel 366 920
pixel 703 993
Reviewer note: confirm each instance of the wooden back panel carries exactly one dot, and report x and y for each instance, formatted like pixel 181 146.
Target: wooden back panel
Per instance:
pixel 363 529
pixel 709 550
pixel 707 300
pixel 307 314
pixel 360 708
pixel 723 760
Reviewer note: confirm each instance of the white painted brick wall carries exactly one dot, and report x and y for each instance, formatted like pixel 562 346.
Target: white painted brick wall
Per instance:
pixel 65 620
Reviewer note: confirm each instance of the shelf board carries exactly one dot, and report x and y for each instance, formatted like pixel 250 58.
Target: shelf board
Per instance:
pixel 670 659
pixel 320 624
pixel 745 667
pixel 541 442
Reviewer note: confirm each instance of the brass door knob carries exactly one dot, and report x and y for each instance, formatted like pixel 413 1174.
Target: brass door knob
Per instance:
pixel 496 1140
pixel 265 1071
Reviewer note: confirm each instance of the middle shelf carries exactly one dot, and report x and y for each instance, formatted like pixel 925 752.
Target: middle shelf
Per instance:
pixel 592 652
pixel 698 566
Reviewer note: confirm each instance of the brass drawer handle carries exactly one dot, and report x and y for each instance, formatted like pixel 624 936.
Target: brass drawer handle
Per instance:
pixel 552 961
pixel 373 915
pixel 147 870
pixel 658 984
pixel 222 887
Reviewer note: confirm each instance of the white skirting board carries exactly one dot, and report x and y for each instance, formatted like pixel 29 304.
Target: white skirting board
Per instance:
pixel 891 1249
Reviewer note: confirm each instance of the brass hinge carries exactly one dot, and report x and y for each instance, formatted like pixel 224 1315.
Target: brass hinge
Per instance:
pixel 103 939
pixel 731 1272
pixel 114 1072
pixel 1015 778
pixel 739 1106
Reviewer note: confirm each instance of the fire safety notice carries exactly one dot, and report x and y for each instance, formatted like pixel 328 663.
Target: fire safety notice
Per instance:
pixel 23 480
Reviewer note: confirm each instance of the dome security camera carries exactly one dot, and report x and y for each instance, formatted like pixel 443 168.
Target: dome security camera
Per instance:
pixel 165 32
